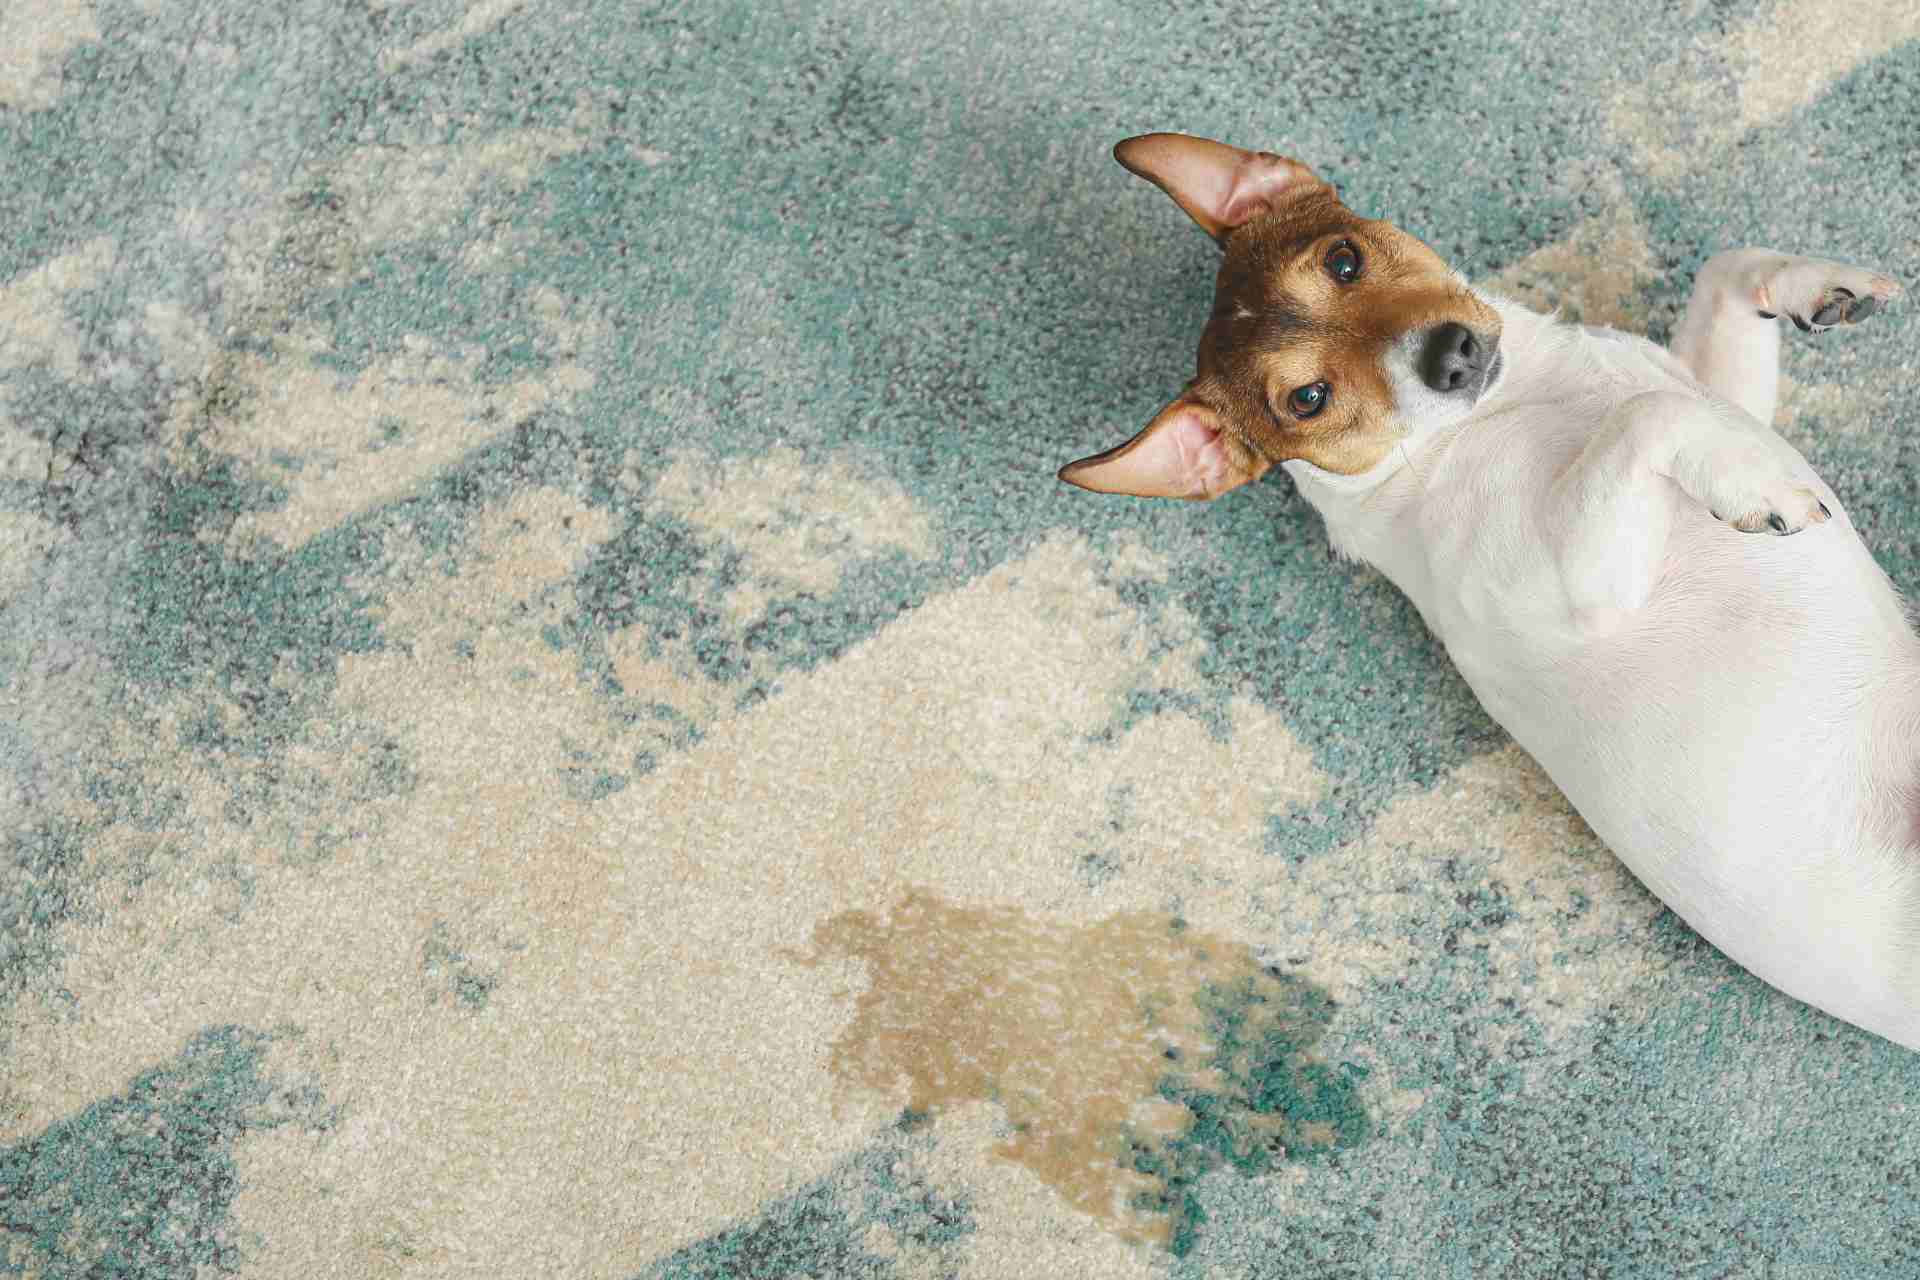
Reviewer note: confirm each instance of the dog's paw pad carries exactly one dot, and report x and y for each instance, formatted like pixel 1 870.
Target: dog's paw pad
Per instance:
pixel 1801 509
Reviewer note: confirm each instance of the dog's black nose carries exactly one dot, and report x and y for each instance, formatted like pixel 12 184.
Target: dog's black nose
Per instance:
pixel 1454 359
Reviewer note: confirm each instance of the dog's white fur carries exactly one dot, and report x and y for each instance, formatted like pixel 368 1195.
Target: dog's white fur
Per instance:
pixel 1737 715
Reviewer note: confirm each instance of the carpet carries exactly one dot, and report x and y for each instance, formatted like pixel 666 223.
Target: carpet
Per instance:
pixel 557 722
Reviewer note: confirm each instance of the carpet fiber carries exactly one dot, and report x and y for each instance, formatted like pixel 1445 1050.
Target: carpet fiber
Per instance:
pixel 556 721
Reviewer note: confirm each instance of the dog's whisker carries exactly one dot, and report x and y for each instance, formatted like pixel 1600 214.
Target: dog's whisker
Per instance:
pixel 1408 459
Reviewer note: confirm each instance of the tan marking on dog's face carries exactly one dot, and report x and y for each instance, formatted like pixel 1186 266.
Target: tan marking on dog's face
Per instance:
pixel 1281 321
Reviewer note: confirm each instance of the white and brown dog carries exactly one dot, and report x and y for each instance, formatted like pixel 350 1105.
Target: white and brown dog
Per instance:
pixel 1737 717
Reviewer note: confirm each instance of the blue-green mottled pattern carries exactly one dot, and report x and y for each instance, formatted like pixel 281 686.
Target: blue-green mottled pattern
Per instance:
pixel 886 239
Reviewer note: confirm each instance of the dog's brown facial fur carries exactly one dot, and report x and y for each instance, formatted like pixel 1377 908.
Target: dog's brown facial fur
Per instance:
pixel 1281 320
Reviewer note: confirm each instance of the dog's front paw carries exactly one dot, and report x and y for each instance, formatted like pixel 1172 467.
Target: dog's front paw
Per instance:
pixel 1775 517
pixel 1750 480
pixel 1758 502
pixel 1817 294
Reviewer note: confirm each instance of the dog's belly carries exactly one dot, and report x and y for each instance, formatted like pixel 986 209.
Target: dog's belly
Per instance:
pixel 1738 745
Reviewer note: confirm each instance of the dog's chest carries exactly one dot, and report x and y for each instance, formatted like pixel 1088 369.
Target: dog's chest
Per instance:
pixel 1459 525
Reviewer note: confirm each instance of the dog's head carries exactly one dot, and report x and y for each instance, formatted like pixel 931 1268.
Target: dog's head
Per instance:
pixel 1333 337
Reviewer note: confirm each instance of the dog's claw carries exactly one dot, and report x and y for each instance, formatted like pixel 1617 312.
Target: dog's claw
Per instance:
pixel 1801 511
pixel 1837 306
pixel 1843 307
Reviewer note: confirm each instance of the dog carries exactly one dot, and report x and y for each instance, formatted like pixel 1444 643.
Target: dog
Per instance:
pixel 1648 588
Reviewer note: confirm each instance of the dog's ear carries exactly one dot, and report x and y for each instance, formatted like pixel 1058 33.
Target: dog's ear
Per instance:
pixel 1219 186
pixel 1183 453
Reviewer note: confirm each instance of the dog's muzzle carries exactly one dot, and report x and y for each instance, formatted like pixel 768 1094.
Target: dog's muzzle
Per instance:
pixel 1456 361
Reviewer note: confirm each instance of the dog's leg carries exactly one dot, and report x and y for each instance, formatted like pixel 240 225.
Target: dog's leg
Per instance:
pixel 1609 513
pixel 1730 337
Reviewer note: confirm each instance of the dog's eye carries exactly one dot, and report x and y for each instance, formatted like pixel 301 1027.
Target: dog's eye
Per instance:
pixel 1310 399
pixel 1343 263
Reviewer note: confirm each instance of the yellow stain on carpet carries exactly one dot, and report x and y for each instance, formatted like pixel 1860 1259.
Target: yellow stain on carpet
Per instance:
pixel 1069 1029
pixel 35 37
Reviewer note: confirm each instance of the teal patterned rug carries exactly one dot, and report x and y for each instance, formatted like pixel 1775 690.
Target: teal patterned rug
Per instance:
pixel 555 720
